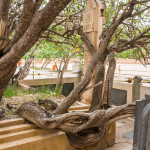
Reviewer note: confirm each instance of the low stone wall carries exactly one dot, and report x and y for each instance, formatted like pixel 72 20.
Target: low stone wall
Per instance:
pixel 127 61
pixel 124 86
pixel 15 134
pixel 120 86
pixel 144 89
pixel 34 82
pixel 69 83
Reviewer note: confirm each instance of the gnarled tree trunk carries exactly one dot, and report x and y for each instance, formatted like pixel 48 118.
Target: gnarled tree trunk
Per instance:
pixel 5 76
pixel 82 129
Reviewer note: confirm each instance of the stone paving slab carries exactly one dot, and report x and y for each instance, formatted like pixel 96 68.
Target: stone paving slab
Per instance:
pixel 128 135
pixel 121 146
pixel 124 133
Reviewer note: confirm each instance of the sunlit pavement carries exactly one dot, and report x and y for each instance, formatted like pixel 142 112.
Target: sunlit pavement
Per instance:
pixel 122 72
pixel 124 135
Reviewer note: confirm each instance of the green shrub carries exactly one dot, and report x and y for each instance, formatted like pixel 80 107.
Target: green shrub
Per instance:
pixel 41 91
pixel 11 91
pixel 58 90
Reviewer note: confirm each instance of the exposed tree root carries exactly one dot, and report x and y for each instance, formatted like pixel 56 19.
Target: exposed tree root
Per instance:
pixel 86 137
pixel 82 129
pixel 2 113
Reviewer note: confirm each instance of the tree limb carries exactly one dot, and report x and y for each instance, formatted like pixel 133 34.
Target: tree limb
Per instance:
pixel 97 94
pixel 86 41
pixel 109 81
pixel 37 5
pixel 4 8
pixel 90 87
pixel 40 22
pixel 24 23
pixel 134 39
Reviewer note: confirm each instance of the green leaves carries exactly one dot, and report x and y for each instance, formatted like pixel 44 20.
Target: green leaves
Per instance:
pixel 48 50
pixel 109 24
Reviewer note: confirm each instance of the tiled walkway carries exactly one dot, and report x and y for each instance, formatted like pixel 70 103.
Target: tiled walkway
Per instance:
pixel 124 135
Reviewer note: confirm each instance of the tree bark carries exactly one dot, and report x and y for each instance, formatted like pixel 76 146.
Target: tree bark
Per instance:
pixel 37 5
pixel 61 73
pixel 4 8
pixel 1 92
pixel 44 65
pixel 5 77
pixel 109 80
pixel 23 71
pixel 60 66
pixel 97 94
pixel 23 24
pixel 74 95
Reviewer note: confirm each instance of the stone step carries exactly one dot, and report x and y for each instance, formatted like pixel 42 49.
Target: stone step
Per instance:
pixel 20 135
pixel 29 137
pixel 81 107
pixel 53 140
pixel 82 110
pixel 16 128
pixel 11 122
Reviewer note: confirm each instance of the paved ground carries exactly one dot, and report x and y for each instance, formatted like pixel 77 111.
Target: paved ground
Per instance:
pixel 123 71
pixel 124 135
pixel 126 71
pixel 46 73
pixel 131 70
pixel 37 73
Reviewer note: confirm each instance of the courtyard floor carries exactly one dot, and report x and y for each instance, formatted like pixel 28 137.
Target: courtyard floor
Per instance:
pixel 124 135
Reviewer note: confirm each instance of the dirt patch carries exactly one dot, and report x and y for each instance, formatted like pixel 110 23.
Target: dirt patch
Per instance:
pixel 10 105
